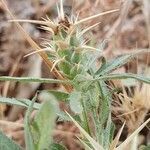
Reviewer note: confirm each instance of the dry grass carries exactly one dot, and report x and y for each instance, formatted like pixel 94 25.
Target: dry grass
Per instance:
pixel 123 32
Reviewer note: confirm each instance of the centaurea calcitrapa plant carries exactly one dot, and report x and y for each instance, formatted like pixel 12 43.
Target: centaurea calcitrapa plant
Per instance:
pixel 74 64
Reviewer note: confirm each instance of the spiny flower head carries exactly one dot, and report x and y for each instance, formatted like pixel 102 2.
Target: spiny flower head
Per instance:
pixel 67 49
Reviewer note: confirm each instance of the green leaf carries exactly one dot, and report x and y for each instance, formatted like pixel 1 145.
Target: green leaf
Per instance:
pixel 75 57
pixel 43 124
pixel 61 96
pixel 104 108
pixel 104 111
pixel 56 146
pixel 143 147
pixel 26 103
pixel 75 102
pixel 76 69
pixel 8 144
pixel 74 41
pixel 86 146
pixel 108 133
pixel 28 135
pixel 62 116
pixel 19 102
pixel 93 143
pixel 113 64
pixel 88 61
pixel 129 82
pixel 121 76
pixel 65 53
pixel 103 65
pixel 31 79
pixel 65 67
pixel 118 62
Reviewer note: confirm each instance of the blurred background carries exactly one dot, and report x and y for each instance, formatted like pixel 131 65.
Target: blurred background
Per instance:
pixel 118 33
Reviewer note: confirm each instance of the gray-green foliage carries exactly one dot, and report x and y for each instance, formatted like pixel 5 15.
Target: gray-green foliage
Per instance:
pixel 90 98
pixel 143 147
pixel 39 130
pixel 8 144
pixel 19 102
pixel 56 146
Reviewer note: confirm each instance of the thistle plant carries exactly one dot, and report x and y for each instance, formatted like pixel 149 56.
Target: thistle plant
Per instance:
pixel 74 64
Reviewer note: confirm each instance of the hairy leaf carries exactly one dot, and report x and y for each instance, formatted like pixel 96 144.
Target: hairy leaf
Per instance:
pixel 60 96
pixel 113 64
pixel 8 144
pixel 121 76
pixel 28 135
pixel 75 102
pixel 31 79
pixel 43 124
pixel 56 146
pixel 18 102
